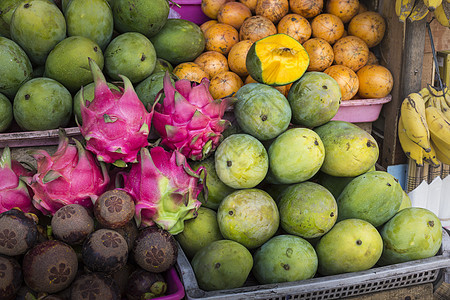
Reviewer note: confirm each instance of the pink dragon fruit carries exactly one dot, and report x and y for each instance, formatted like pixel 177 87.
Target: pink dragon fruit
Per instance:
pixel 115 124
pixel 164 188
pixel 13 190
pixel 189 119
pixel 70 175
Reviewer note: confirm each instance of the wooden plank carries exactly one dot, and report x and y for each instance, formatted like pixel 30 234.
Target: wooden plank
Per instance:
pixel 415 35
pixel 391 50
pixel 411 79
pixel 422 292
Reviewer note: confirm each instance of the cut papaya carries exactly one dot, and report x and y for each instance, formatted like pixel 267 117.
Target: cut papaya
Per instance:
pixel 277 60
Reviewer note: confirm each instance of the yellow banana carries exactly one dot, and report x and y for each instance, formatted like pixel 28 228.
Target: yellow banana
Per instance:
pixel 442 153
pixel 430 157
pixel 424 92
pixel 447 95
pixel 444 107
pixel 435 91
pixel 432 4
pixel 436 102
pixel 411 149
pixel 414 120
pixel 442 14
pixel 419 11
pixel 439 127
pixel 403 9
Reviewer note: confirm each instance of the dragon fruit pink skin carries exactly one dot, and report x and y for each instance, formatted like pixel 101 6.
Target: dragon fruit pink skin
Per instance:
pixel 165 189
pixel 13 191
pixel 70 175
pixel 115 124
pixel 189 119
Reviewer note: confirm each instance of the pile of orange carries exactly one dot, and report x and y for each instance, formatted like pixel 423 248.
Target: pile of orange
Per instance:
pixel 337 34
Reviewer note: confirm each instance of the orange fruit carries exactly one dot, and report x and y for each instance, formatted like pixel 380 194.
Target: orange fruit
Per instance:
pixel 212 62
pixel 368 26
pixel 375 81
pixel 190 71
pixel 351 51
pixel 221 37
pixel 295 26
pixel 344 9
pixel 256 28
pixel 250 4
pixel 346 78
pixel 306 8
pixel 274 10
pixel 225 84
pixel 207 24
pixel 327 26
pixel 320 53
pixel 237 57
pixel 372 60
pixel 211 7
pixel 234 14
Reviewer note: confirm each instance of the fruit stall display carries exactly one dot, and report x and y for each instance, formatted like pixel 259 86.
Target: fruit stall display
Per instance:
pixel 166 158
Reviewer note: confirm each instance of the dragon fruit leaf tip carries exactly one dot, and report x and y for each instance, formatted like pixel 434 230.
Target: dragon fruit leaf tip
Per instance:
pixel 5 159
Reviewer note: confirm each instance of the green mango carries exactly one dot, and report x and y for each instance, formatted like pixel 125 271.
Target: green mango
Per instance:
pixel 92 19
pixel 143 16
pixel 64 4
pixel 37 26
pixel 148 89
pixel 199 232
pixel 68 62
pixel 223 264
pixel 374 197
pixel 352 245
pixel 406 201
pixel 162 65
pixel 350 150
pixel 249 217
pixel 42 104
pixel 6 113
pixel 285 258
pixel 296 155
pixel 15 67
pixel 262 111
pixel 314 98
pixel 335 184
pixel 413 233
pixel 217 190
pixel 307 209
pixel 7 8
pixel 179 41
pixel 130 54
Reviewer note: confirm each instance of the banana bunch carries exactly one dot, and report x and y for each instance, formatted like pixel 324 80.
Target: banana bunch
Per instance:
pixel 415 10
pixel 424 126
pixel 437 112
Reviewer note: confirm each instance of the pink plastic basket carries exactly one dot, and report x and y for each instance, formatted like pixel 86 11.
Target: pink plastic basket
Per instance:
pixel 190 10
pixel 361 110
pixel 175 289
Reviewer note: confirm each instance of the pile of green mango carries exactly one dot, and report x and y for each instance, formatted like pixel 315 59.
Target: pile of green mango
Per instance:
pixel 44 51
